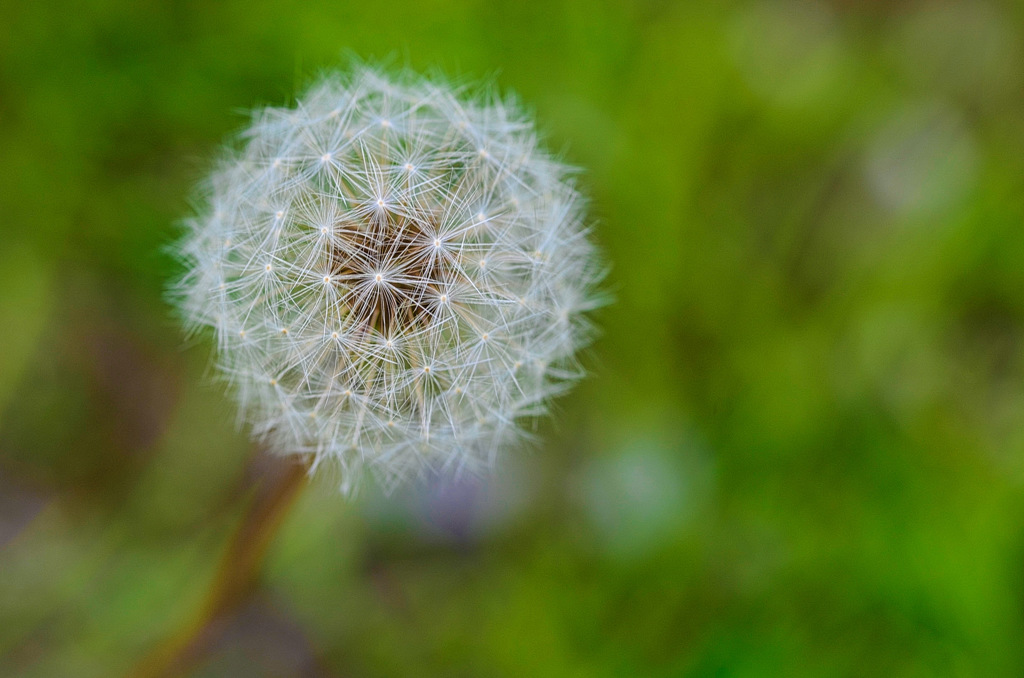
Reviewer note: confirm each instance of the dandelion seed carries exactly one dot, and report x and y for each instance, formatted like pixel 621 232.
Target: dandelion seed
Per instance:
pixel 395 277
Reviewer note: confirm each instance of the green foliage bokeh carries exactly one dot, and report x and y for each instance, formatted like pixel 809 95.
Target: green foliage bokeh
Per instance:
pixel 801 448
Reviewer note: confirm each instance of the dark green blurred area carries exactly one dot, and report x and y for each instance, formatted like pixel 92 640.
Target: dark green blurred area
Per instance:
pixel 801 450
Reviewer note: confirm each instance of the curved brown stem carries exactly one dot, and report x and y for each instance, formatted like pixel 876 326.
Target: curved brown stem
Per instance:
pixel 235 576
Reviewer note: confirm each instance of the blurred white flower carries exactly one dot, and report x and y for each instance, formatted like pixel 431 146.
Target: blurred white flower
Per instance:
pixel 644 495
pixel 396 275
pixel 923 159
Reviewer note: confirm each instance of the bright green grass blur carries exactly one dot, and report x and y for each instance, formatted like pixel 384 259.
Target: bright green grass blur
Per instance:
pixel 801 448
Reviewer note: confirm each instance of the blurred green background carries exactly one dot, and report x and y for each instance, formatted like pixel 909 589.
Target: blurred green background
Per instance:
pixel 801 449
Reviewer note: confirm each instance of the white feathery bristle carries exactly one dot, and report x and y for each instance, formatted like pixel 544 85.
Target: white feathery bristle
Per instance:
pixel 395 274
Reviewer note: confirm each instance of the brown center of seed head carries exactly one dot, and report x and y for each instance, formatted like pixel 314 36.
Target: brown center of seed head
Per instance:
pixel 387 265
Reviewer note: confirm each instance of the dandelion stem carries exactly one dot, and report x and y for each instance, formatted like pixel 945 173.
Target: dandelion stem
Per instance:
pixel 236 574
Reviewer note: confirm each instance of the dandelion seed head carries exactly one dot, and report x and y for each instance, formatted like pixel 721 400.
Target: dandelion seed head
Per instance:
pixel 430 285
